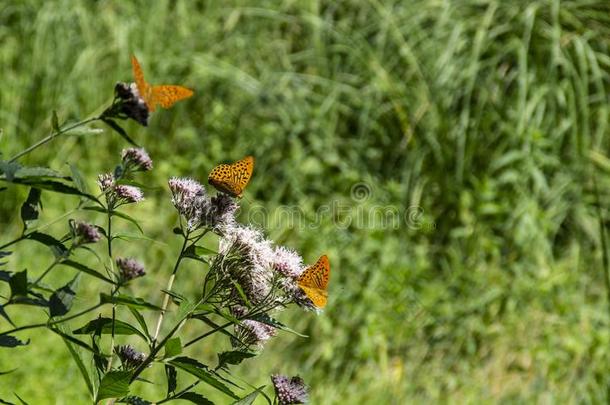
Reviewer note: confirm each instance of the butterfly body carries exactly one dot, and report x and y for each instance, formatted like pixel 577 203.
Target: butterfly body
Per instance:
pixel 164 95
pixel 232 178
pixel 314 282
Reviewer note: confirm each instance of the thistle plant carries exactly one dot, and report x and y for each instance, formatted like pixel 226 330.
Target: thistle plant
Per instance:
pixel 245 278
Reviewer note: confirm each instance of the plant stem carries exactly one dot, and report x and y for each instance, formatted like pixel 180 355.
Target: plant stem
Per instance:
pixel 198 338
pixel 22 237
pixel 50 137
pixel 157 348
pixel 39 279
pixel 40 325
pixel 170 283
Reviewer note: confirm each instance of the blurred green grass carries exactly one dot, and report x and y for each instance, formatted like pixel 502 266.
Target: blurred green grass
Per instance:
pixel 490 116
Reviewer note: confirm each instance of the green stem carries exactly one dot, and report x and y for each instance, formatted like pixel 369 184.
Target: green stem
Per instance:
pixel 51 137
pixel 39 279
pixel 198 338
pixel 170 283
pixel 40 325
pixel 158 347
pixel 22 237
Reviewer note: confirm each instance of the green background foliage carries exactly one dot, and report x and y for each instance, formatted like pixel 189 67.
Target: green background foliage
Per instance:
pixel 482 123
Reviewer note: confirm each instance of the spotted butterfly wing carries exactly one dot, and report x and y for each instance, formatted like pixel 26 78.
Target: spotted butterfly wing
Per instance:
pixel 314 282
pixel 163 95
pixel 232 178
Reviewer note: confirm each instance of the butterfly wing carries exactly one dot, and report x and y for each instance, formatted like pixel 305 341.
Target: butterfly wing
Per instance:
pixel 143 87
pixel 167 95
pixel 232 179
pixel 314 282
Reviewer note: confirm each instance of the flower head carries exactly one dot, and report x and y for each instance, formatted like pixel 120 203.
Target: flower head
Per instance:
pixel 250 332
pixel 130 268
pixel 190 199
pixel 105 182
pixel 130 357
pixel 128 194
pixel 86 233
pixel 222 211
pixel 290 390
pixel 136 159
pixel 250 261
pixel 132 105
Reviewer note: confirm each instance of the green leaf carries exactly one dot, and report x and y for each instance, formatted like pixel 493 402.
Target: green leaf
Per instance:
pixel 114 384
pixel 202 372
pixel 133 302
pixel 198 251
pixel 30 208
pixel 173 347
pixel 118 214
pixel 87 270
pixel 54 121
pixel 5 315
pixel 75 341
pixel 58 248
pixel 8 169
pixel 56 186
pixel 119 130
pixel 140 320
pixel 249 399
pixel 195 398
pixel 61 300
pixel 103 326
pixel 266 319
pixel 37 173
pixel 128 218
pixel 170 373
pixel 233 357
pixel 19 283
pixel 11 341
pixel 134 400
pixel 78 179
pixel 80 364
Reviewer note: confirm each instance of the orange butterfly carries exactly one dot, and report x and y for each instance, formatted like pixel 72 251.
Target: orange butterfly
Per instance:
pixel 164 95
pixel 232 178
pixel 314 282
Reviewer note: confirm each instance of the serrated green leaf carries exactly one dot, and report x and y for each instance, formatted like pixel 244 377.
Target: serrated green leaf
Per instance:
pixel 103 326
pixel 61 300
pixel 19 284
pixel 202 372
pixel 87 270
pixel 75 341
pixel 140 320
pixel 5 315
pixel 30 210
pixel 133 302
pixel 58 248
pixel 195 398
pixel 173 347
pixel 171 375
pixel 119 130
pixel 114 384
pixel 249 399
pixel 233 357
pixel 11 341
pixel 80 364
